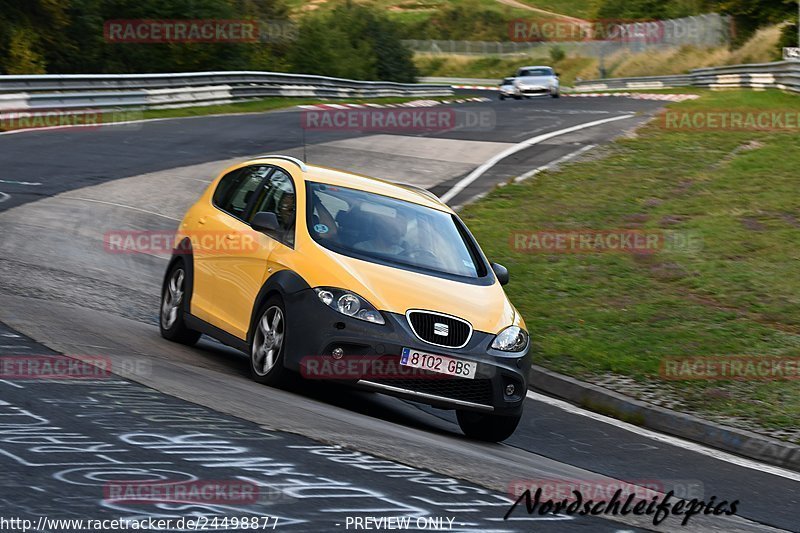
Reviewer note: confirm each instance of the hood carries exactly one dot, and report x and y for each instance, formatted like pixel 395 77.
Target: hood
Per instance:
pixel 393 289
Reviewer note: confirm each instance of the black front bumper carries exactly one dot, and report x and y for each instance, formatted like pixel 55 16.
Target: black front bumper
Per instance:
pixel 315 330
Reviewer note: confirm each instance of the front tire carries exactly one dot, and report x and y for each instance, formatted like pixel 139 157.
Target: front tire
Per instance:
pixel 502 97
pixel 268 345
pixel 486 427
pixel 174 298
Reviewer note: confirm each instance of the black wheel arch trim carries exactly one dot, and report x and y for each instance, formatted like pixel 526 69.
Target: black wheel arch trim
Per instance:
pixel 182 252
pixel 284 283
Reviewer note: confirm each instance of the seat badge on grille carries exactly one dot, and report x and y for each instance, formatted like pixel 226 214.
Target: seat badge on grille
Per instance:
pixel 441 329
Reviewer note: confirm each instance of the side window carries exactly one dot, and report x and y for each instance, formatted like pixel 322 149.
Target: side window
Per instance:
pixel 278 196
pixel 235 189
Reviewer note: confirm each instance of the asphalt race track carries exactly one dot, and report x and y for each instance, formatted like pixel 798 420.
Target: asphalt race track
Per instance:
pixel 319 453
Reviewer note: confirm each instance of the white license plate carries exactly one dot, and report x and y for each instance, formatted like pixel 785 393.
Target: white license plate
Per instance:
pixel 438 363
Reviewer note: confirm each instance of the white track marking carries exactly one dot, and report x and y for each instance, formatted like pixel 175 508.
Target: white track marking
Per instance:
pixel 118 205
pixel 19 182
pixel 552 164
pixel 478 172
pixel 667 439
pixel 4 197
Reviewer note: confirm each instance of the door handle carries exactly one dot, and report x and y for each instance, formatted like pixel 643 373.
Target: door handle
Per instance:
pixel 201 220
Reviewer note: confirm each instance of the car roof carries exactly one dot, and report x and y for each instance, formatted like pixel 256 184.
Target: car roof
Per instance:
pixel 534 66
pixel 341 178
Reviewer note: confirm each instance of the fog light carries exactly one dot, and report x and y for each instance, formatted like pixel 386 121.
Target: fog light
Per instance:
pixel 338 353
pixel 510 390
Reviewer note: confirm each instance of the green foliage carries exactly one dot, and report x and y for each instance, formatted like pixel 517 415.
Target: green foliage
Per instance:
pixel 27 31
pixel 21 57
pixel 352 41
pixel 749 15
pixel 469 20
pixel 652 9
pixel 557 53
pixel 67 36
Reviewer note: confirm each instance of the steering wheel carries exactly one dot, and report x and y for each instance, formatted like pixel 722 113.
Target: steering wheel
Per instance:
pixel 421 253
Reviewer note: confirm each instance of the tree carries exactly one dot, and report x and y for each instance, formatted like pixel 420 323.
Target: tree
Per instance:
pixel 352 41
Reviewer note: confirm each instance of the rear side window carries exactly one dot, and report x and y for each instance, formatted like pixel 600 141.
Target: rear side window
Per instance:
pixel 237 188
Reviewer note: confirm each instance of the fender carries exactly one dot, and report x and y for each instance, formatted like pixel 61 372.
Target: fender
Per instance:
pixel 285 284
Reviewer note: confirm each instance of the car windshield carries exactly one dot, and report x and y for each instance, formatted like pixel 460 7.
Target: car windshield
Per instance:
pixel 536 72
pixel 384 230
pixel 508 81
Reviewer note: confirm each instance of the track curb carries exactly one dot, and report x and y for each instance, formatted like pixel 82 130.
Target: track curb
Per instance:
pixel 607 402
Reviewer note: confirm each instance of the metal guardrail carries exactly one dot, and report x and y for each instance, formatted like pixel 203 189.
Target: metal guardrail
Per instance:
pixel 784 75
pixel 153 91
pixel 463 81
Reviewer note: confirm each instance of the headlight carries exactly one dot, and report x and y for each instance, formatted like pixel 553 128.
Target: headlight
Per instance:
pixel 349 304
pixel 511 339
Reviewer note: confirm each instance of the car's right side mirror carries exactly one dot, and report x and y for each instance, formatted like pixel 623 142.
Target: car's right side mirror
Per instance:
pixel 501 272
pixel 265 222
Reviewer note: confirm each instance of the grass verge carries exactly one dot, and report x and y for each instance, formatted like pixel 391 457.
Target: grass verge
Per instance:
pixel 593 314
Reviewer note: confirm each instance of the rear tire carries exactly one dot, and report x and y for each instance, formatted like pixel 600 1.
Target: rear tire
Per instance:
pixel 268 345
pixel 486 427
pixel 174 298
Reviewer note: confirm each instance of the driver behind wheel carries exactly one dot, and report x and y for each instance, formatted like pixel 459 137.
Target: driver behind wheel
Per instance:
pixel 387 235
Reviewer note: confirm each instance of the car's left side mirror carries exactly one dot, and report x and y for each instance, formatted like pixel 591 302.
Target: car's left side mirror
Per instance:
pixel 501 272
pixel 265 222
pixel 558 75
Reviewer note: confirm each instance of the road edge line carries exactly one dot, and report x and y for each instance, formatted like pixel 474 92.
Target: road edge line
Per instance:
pixel 465 182
pixel 635 412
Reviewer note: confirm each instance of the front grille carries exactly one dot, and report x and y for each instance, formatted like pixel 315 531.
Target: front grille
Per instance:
pixel 440 330
pixel 467 390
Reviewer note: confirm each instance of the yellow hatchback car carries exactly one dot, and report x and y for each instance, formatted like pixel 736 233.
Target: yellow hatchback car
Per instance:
pixel 309 269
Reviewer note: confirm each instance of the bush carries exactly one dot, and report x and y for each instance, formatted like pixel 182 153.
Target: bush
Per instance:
pixel 557 54
pixel 352 41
